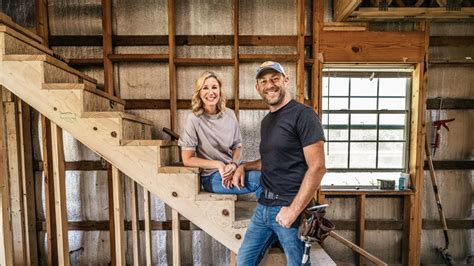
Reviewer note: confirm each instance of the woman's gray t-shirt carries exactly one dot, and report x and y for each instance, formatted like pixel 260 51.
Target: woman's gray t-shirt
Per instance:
pixel 213 137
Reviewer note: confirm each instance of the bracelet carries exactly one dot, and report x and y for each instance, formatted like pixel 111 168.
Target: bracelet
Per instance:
pixel 234 163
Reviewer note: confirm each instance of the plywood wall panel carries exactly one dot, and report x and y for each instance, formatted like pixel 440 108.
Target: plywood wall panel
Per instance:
pixel 146 17
pixel 142 80
pixel 203 17
pixel 268 17
pixel 187 76
pixel 247 79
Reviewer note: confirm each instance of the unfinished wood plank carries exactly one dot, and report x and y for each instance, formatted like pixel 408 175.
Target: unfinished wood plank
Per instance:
pixel 28 183
pixel 375 47
pixel 235 55
pixel 4 19
pixel 6 244
pixel 301 53
pixel 344 26
pixel 343 8
pixel 266 57
pixel 138 57
pixel 360 232
pixel 171 64
pixel 42 22
pixel 113 255
pixel 147 217
pixel 403 13
pixel 117 190
pixel 133 187
pixel 176 238
pixel 15 181
pixel 317 66
pixel 60 194
pixel 107 46
pixel 49 191
pixel 82 86
pixel 203 62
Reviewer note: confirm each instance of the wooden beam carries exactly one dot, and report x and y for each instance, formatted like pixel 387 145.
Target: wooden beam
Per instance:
pixel 317 66
pixel 60 194
pixel 300 25
pixel 266 57
pixel 117 190
pixel 171 65
pixel 357 249
pixel 6 244
pixel 360 231
pixel 451 165
pixel 15 181
pixel 452 41
pixel 42 23
pixel 28 183
pixel 203 61
pixel 89 225
pixel 343 8
pixel 176 238
pixel 133 187
pixel 138 57
pixel 76 166
pixel 49 191
pixel 4 19
pixel 236 57
pixel 449 103
pixel 107 46
pixel 410 13
pixel 113 255
pixel 147 217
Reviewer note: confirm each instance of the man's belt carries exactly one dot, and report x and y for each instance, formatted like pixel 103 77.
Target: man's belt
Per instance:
pixel 273 196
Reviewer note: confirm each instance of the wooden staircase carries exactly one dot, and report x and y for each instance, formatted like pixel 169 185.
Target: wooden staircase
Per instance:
pixel 72 101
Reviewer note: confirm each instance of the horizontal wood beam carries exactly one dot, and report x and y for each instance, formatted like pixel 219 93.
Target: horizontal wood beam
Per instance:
pixel 340 225
pixel 372 47
pixel 452 41
pixel 343 8
pixel 449 103
pixel 131 104
pixel 410 13
pixel 76 166
pixel 203 61
pixel 138 57
pixel 451 165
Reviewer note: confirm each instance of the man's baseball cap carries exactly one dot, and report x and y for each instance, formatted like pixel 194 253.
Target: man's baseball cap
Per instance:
pixel 270 65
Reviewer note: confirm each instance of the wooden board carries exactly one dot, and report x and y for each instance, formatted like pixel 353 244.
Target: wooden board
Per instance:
pixel 410 13
pixel 120 244
pixel 133 194
pixel 343 8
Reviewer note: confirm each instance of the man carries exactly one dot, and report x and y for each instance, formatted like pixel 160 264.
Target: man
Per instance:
pixel 292 164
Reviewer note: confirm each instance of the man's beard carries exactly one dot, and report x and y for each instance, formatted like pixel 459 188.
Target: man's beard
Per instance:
pixel 275 101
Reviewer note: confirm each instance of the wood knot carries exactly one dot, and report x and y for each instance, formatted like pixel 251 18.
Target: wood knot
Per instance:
pixel 113 134
pixel 174 194
pixel 55 109
pixel 355 49
pixel 238 236
pixel 225 212
pixel 94 128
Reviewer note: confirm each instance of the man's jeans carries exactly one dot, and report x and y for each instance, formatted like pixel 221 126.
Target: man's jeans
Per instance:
pixel 213 183
pixel 262 231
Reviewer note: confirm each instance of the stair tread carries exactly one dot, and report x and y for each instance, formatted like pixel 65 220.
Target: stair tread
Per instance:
pixel 149 142
pixel 81 86
pixel 318 255
pixel 51 60
pixel 214 196
pixel 178 170
pixel 4 19
pixel 117 115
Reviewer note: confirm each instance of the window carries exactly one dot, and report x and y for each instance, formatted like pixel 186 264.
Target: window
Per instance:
pixel 366 123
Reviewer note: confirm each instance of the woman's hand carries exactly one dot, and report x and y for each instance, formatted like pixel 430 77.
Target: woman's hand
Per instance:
pixel 239 177
pixel 227 175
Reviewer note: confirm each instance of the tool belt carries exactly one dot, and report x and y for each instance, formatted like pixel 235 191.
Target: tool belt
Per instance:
pixel 314 227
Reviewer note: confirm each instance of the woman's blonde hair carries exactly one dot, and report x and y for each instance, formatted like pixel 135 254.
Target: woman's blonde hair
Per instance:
pixel 196 102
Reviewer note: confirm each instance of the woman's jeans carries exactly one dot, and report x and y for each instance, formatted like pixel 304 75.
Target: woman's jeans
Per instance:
pixel 213 183
pixel 262 231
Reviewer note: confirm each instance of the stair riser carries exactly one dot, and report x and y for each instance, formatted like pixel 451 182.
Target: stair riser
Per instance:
pixel 169 155
pixel 53 74
pixel 15 46
pixel 135 130
pixel 95 103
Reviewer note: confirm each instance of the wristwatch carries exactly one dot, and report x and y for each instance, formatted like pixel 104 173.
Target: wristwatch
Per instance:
pixel 234 163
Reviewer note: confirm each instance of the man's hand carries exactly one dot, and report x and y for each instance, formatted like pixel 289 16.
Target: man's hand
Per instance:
pixel 238 178
pixel 286 217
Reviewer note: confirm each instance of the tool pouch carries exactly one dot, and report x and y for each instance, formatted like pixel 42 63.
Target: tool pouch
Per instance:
pixel 314 227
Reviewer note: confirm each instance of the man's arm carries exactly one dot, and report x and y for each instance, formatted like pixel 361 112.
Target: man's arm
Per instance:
pixel 314 156
pixel 239 175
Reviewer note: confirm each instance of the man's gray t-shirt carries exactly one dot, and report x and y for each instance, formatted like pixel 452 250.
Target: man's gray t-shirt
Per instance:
pixel 213 137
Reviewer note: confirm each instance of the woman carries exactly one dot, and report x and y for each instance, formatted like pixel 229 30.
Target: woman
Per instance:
pixel 211 140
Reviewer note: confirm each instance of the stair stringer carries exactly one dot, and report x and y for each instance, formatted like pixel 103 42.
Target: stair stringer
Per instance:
pixel 25 79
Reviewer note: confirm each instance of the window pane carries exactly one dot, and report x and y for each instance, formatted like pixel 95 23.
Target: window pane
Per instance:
pixel 336 155
pixel 392 134
pixel 325 85
pixel 325 103
pixel 391 155
pixel 363 134
pixel 391 103
pixel 392 87
pixel 392 119
pixel 357 178
pixel 363 87
pixel 338 134
pixel 338 119
pixel 363 103
pixel 363 121
pixel 363 155
pixel 338 103
pixel 338 86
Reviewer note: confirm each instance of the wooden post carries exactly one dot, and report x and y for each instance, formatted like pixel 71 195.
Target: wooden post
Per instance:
pixel 15 180
pixel 301 55
pixel 147 217
pixel 49 191
pixel 113 255
pixel 317 68
pixel 120 245
pixel 360 232
pixel 60 194
pixel 42 25
pixel 107 46
pixel 28 183
pixel 171 63
pixel 132 185
pixel 176 238
pixel 6 244
pixel 235 23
